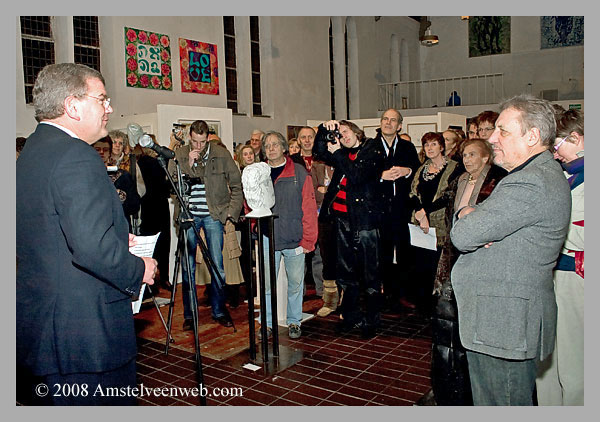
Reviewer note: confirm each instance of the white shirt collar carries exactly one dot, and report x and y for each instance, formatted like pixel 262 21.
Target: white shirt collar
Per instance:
pixel 386 146
pixel 64 129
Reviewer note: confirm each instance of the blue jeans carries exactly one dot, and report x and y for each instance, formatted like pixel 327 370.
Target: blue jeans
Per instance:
pixel 213 231
pixel 501 382
pixel 294 269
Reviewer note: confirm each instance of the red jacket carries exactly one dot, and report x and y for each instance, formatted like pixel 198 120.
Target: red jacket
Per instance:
pixel 296 208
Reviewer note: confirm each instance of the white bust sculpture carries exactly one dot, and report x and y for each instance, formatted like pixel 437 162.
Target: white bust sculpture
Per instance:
pixel 258 189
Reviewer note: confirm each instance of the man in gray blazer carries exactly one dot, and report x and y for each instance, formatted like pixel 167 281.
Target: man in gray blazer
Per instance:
pixel 510 243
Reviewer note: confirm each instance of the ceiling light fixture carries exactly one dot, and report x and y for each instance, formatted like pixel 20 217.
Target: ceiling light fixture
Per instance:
pixel 425 36
pixel 429 39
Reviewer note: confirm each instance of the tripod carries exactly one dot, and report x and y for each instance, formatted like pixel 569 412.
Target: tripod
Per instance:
pixel 185 223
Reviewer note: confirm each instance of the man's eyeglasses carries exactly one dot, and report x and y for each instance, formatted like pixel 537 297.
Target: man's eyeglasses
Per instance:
pixel 104 101
pixel 557 146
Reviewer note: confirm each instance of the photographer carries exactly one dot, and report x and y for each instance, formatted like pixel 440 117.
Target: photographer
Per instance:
pixel 215 201
pixel 352 199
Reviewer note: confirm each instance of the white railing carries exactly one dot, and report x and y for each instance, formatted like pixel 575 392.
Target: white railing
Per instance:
pixel 472 90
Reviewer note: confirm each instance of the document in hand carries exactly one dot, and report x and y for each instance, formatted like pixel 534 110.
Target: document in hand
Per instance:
pixel 144 248
pixel 422 240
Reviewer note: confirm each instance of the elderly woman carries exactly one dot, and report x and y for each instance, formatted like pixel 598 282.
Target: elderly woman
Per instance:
pixel 428 199
pixel 449 373
pixel 560 377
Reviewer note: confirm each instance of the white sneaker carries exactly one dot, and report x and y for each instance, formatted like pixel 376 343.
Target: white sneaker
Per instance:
pixel 294 331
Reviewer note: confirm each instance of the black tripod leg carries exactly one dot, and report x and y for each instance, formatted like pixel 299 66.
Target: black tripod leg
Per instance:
pixel 175 275
pixel 161 316
pixel 194 303
pixel 194 306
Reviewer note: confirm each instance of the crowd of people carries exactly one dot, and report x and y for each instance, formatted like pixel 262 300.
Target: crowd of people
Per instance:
pixel 503 287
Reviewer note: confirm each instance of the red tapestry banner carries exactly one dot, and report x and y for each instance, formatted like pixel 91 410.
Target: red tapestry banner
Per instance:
pixel 199 67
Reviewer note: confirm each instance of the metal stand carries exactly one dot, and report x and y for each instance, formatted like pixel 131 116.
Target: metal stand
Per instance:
pixel 278 362
pixel 168 331
pixel 262 289
pixel 185 223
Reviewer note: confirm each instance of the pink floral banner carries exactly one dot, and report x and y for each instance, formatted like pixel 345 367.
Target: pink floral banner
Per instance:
pixel 199 68
pixel 148 60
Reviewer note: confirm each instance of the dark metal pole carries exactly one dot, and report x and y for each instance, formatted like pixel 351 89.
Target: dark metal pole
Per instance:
pixel 185 214
pixel 263 299
pixel 194 305
pixel 174 284
pixel 248 245
pixel 273 279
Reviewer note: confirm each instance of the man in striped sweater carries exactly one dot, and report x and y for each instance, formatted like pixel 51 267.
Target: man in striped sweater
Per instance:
pixel 215 200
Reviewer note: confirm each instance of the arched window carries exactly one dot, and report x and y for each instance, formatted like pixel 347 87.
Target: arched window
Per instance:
pixel 352 83
pixel 87 41
pixel 331 73
pixel 37 43
pixel 255 59
pixel 230 62
pixel 337 54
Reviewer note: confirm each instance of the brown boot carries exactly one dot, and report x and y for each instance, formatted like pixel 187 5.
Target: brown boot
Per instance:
pixel 330 298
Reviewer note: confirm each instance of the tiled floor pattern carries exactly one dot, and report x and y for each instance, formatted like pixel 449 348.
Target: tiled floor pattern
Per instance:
pixel 391 369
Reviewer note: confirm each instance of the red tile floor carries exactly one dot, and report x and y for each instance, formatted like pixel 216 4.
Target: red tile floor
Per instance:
pixel 392 369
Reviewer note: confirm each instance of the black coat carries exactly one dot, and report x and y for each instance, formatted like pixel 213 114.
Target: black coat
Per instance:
pixel 365 208
pixel 396 206
pixel 155 214
pixel 75 275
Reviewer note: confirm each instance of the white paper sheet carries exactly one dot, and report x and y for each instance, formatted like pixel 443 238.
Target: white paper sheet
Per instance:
pixel 422 240
pixel 144 248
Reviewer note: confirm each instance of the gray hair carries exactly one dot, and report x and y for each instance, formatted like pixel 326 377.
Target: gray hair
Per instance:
pixel 400 118
pixel 534 112
pixel 279 137
pixel 56 82
pixel 262 134
pixel 117 134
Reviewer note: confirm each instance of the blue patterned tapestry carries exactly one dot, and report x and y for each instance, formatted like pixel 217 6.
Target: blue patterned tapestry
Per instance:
pixel 561 31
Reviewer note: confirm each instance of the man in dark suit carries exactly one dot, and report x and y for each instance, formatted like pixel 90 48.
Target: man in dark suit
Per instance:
pixel 510 243
pixel 75 276
pixel 401 162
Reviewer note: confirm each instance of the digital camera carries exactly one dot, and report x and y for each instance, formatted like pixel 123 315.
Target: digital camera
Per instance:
pixel 332 136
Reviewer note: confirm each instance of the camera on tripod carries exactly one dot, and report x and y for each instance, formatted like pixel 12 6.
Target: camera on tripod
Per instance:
pixel 187 182
pixel 332 136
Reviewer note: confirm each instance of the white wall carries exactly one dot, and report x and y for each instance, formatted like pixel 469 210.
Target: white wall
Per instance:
pixel 555 68
pixel 295 65
pixel 374 46
pixel 299 76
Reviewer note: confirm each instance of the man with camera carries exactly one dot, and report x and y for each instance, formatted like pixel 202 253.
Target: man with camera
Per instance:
pixel 353 200
pixel 215 200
